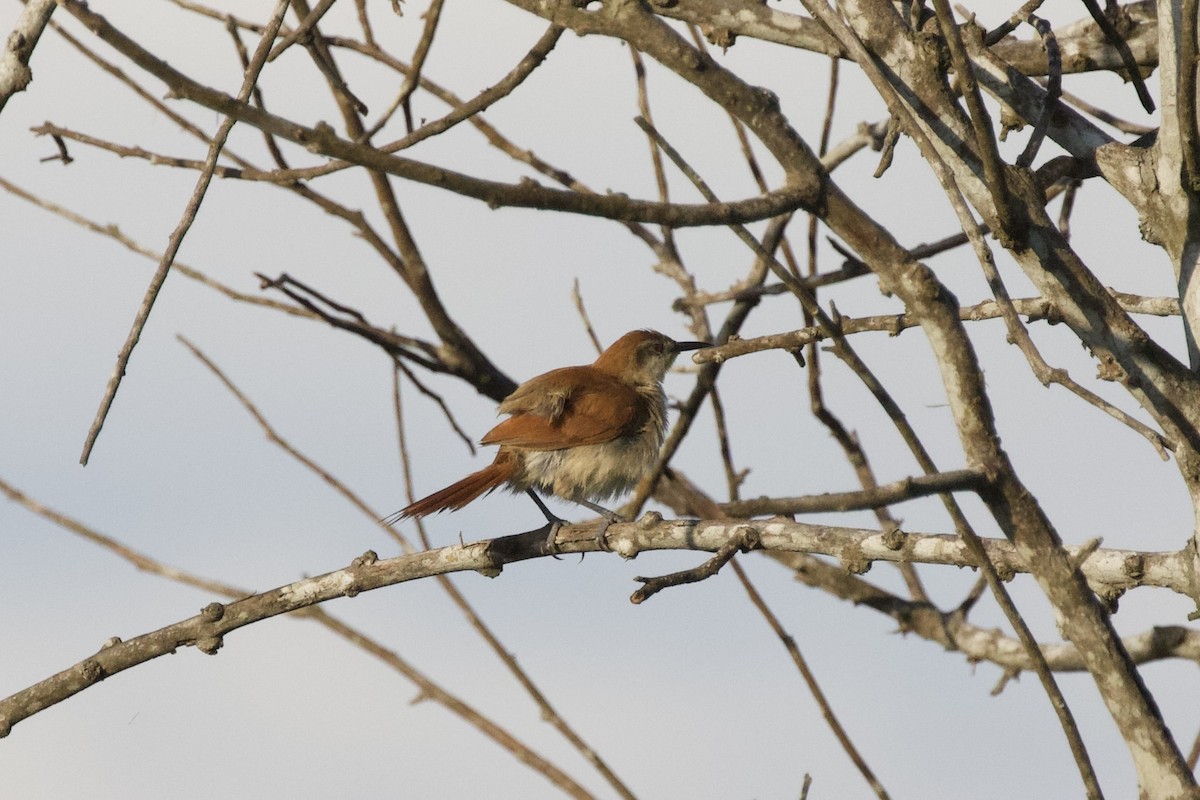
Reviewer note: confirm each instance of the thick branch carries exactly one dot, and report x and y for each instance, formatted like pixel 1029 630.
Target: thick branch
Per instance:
pixel 855 548
pixel 15 74
pixel 953 631
pixel 1084 48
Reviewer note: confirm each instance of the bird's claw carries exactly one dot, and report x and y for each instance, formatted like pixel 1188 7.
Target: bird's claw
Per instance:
pixel 552 536
pixel 601 533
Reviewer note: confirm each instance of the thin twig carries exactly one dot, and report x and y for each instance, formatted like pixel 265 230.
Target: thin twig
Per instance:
pixel 742 543
pixel 301 31
pixel 851 446
pixel 114 233
pixel 660 176
pixel 185 223
pixel 417 350
pixel 986 148
pixel 275 438
pixel 1105 116
pixel 364 22
pixel 700 504
pixel 751 160
pixel 438 400
pixel 1132 70
pixel 1034 308
pixel 404 97
pixel 1068 205
pixel 851 269
pixel 577 297
pixel 810 680
pixel 1010 25
pixel 1053 91
pixel 869 497
pixel 272 146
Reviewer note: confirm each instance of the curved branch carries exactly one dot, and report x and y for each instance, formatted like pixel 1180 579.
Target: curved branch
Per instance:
pixel 429 688
pixel 856 549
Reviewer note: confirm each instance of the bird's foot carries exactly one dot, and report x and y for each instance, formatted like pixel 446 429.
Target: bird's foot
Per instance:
pixel 552 536
pixel 609 518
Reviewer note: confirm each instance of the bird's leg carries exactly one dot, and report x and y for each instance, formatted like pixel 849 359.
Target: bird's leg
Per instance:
pixel 609 518
pixel 554 522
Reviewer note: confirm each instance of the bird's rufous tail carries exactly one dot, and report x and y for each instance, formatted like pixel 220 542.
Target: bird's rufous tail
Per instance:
pixel 457 495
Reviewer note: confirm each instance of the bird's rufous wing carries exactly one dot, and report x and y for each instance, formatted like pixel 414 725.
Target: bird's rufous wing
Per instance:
pixel 567 408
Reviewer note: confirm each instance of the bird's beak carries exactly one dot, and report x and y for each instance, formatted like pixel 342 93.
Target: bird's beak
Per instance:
pixel 681 346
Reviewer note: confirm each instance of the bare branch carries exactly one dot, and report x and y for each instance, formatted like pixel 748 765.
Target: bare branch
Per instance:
pixel 322 139
pixel 810 680
pixel 90 671
pixel 15 74
pixel 185 223
pixel 868 498
pixel 404 96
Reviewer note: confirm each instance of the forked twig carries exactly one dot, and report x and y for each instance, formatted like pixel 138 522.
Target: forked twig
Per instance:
pixel 743 543
pixel 404 97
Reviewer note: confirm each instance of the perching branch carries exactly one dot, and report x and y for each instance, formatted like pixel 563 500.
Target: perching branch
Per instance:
pixel 207 631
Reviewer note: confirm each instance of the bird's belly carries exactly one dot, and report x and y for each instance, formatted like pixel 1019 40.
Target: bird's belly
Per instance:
pixel 595 472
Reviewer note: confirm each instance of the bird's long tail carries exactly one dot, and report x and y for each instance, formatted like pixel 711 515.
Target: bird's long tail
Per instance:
pixel 457 495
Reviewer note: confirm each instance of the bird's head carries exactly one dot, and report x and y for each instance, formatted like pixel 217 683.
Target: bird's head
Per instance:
pixel 644 356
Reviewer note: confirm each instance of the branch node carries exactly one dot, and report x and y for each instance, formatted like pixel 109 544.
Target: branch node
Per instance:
pixel 750 538
pixel 894 538
pixel 212 612
pixel 209 645
pixel 93 671
pixel 1009 674
pixel 854 562
pixel 491 572
pixel 1109 597
pixel 1085 551
pixel 111 641
pixel 649 520
pixel 625 547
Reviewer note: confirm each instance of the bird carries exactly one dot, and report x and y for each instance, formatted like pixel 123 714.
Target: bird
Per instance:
pixel 585 434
